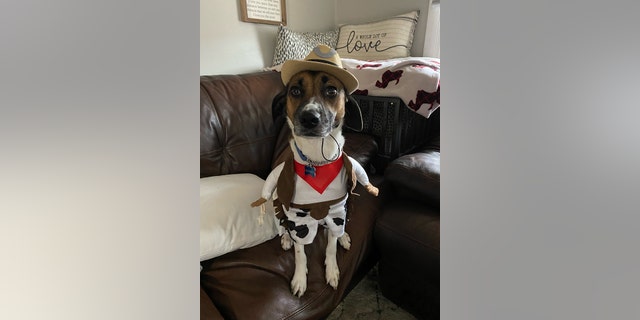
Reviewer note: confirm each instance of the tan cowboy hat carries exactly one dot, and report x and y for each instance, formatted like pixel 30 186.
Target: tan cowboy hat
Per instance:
pixel 321 58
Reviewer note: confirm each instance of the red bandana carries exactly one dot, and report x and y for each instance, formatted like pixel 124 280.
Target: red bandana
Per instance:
pixel 323 174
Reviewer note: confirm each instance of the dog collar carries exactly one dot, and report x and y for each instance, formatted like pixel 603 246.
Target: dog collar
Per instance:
pixel 306 159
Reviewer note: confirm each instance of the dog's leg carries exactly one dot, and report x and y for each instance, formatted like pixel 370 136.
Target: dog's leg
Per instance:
pixel 345 241
pixel 299 281
pixel 332 273
pixel 285 241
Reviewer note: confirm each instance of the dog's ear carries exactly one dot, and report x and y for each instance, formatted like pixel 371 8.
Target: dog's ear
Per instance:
pixel 353 115
pixel 278 106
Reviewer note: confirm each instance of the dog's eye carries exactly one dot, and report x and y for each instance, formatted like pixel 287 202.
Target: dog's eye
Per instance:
pixel 295 91
pixel 331 91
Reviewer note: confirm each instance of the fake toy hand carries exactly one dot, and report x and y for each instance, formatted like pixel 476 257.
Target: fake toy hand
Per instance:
pixel 372 190
pixel 258 202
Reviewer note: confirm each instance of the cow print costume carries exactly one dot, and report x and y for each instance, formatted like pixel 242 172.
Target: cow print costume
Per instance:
pixel 305 196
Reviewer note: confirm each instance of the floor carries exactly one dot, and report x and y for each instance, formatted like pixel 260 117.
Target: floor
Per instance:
pixel 366 301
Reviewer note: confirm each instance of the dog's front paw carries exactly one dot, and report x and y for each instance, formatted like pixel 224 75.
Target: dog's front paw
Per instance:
pixel 345 241
pixel 332 272
pixel 285 241
pixel 299 284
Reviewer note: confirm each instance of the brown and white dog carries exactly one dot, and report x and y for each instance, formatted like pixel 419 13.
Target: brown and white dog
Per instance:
pixel 311 187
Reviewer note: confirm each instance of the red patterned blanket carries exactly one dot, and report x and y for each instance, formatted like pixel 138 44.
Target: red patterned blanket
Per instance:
pixel 415 80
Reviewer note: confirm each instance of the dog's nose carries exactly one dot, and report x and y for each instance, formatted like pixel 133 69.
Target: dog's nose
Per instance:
pixel 309 119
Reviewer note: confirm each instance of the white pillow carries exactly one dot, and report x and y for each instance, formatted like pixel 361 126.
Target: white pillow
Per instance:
pixel 380 40
pixel 227 220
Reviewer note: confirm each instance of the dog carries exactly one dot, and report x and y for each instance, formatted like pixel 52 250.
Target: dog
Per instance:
pixel 311 186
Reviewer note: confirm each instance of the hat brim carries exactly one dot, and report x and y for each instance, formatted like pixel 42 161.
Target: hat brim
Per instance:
pixel 292 67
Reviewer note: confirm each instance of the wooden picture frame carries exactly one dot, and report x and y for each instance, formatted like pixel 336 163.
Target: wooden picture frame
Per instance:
pixel 264 11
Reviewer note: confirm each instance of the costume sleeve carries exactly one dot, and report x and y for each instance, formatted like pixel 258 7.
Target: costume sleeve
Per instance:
pixel 271 182
pixel 361 174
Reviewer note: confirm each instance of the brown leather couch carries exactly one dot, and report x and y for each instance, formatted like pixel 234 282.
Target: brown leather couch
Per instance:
pixel 238 135
pixel 400 228
pixel 407 233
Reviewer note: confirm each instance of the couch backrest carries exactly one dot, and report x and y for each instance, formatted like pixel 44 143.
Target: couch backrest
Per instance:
pixel 237 133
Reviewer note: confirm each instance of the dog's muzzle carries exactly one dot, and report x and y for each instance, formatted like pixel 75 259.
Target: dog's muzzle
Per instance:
pixel 313 120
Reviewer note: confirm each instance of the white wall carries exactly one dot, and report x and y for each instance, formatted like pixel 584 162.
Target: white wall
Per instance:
pixel 362 11
pixel 229 45
pixel 432 36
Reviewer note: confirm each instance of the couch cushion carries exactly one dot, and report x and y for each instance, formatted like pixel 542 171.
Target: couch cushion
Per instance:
pixel 237 132
pixel 362 147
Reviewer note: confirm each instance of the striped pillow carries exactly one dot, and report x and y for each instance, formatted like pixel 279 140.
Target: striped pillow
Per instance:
pixel 292 45
pixel 386 39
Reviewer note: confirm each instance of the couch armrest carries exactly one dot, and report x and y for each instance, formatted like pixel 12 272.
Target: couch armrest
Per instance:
pixel 416 176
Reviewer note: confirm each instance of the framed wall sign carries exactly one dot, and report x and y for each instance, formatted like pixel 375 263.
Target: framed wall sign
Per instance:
pixel 264 11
